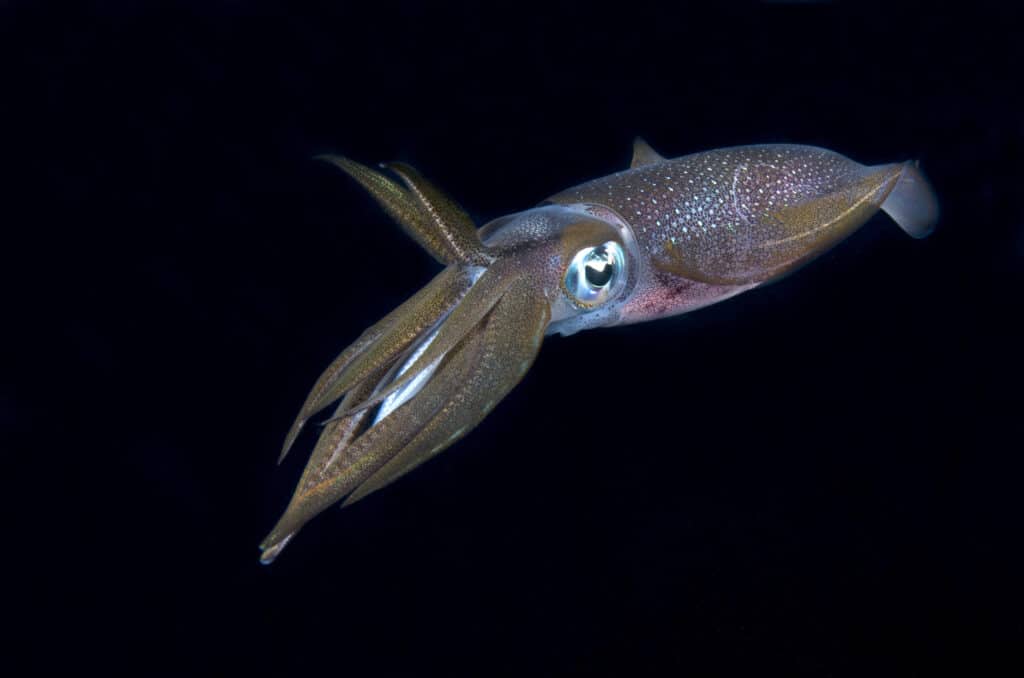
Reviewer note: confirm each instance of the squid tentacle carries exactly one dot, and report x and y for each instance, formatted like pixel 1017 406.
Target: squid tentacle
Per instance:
pixel 476 303
pixel 509 342
pixel 382 343
pixel 441 227
pixel 473 376
pixel 453 230
pixel 313 403
pixel 340 432
pixel 355 460
pixel 408 327
pixel 400 204
pixel 425 212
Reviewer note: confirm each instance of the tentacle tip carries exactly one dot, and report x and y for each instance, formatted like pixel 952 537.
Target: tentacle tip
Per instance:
pixel 289 440
pixel 352 498
pixel 338 161
pixel 271 550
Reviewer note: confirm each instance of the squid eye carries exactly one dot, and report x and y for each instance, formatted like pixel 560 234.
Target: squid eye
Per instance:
pixel 595 274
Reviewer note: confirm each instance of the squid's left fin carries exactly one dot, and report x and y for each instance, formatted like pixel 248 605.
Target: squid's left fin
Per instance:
pixel 643 154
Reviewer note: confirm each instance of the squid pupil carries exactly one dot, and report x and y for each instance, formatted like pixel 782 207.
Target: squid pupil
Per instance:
pixel 599 268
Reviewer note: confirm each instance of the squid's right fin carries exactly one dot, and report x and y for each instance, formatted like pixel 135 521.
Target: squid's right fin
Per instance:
pixel 912 203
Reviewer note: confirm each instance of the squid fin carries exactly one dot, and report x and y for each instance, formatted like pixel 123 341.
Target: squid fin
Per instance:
pixel 912 204
pixel 643 154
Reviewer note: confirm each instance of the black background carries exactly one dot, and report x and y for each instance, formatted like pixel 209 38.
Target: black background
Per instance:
pixel 821 477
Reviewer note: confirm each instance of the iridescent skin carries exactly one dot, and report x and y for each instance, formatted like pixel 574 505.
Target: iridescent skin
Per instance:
pixel 692 231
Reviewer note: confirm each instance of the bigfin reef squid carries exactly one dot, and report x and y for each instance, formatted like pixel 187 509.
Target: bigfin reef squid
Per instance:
pixel 664 237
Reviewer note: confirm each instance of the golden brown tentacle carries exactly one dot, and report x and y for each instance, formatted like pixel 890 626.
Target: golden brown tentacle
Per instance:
pixel 339 432
pixel 453 230
pixel 470 310
pixel 333 442
pixel 398 202
pixel 470 379
pixel 313 402
pixel 407 327
pixel 438 224
pixel 382 343
pixel 353 461
pixel 508 343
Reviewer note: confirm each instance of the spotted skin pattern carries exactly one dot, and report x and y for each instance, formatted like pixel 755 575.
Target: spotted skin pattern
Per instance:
pixel 739 215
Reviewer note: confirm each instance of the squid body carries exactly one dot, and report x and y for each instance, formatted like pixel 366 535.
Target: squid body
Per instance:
pixel 660 238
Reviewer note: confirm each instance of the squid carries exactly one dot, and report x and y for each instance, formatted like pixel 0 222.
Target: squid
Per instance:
pixel 663 237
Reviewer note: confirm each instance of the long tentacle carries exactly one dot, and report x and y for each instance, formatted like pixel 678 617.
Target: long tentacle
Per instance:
pixel 470 379
pixel 477 338
pixel 438 224
pixel 510 339
pixel 406 328
pixel 333 442
pixel 453 231
pixel 398 202
pixel 383 342
pixel 424 212
pixel 358 459
pixel 477 302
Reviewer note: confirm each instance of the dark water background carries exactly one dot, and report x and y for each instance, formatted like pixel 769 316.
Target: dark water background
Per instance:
pixel 821 478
